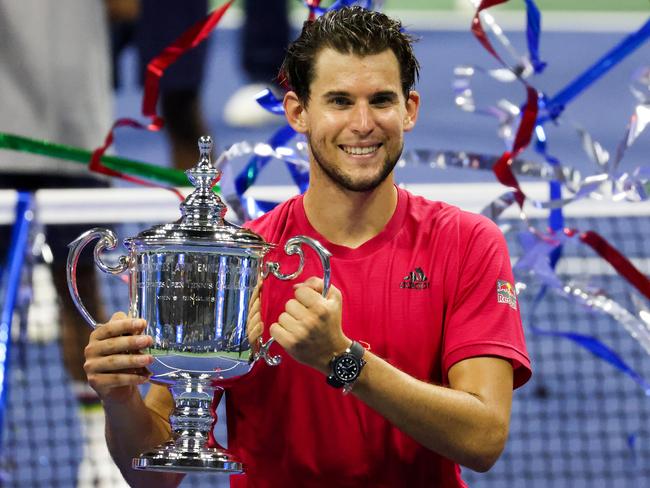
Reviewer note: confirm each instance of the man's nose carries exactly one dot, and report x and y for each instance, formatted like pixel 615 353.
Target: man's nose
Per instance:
pixel 362 121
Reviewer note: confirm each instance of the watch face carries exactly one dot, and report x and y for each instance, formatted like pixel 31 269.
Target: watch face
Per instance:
pixel 346 369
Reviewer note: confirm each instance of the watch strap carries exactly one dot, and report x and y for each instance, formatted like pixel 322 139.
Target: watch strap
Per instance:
pixel 356 349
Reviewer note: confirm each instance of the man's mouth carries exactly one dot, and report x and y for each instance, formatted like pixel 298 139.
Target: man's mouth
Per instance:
pixel 360 150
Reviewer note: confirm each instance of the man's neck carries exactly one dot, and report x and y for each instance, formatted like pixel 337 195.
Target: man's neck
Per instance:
pixel 350 218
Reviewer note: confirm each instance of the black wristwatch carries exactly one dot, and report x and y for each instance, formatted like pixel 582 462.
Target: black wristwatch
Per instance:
pixel 346 367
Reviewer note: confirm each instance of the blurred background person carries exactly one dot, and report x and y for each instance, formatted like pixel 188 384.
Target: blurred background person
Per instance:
pixel 264 37
pixel 150 26
pixel 55 85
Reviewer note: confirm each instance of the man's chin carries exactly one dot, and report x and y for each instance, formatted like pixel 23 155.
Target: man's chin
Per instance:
pixel 363 185
pixel 360 182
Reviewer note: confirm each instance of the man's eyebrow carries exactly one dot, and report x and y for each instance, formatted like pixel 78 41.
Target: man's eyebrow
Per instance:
pixel 335 93
pixel 390 94
pixel 380 94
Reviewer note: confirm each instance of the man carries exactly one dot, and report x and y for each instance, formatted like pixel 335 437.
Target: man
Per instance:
pixel 414 280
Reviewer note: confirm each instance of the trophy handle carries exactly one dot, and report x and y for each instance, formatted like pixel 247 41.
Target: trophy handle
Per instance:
pixel 294 246
pixel 107 240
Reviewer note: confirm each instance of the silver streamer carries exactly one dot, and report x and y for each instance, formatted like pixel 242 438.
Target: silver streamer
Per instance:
pixel 608 182
pixel 296 155
pixel 596 300
pixel 522 65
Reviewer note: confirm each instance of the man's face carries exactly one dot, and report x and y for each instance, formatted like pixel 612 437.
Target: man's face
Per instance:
pixel 355 119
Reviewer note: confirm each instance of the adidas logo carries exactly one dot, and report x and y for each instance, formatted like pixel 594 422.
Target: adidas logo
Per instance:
pixel 415 280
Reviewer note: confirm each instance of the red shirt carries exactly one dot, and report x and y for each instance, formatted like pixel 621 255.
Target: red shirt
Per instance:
pixel 425 293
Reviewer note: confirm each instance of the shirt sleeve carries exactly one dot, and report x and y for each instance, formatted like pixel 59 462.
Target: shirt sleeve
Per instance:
pixel 482 317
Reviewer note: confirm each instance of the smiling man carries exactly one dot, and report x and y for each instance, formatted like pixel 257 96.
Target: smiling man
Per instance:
pixel 416 282
pixel 354 116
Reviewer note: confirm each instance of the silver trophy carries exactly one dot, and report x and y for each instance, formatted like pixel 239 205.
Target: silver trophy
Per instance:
pixel 192 281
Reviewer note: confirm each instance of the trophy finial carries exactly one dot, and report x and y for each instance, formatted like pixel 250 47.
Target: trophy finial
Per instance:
pixel 205 146
pixel 202 206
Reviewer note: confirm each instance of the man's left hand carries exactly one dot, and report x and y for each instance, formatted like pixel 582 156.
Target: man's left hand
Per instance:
pixel 309 329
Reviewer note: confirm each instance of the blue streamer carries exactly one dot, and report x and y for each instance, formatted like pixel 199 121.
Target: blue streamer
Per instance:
pixel 367 4
pixel 300 176
pixel 601 351
pixel 556 217
pixel 535 259
pixel 590 343
pixel 533 31
pixel 255 208
pixel 268 101
pixel 266 206
pixel 249 175
pixel 556 104
pixel 631 444
pixel 11 283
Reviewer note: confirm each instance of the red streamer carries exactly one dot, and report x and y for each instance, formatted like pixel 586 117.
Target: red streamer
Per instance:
pixel 312 5
pixel 618 261
pixel 155 70
pixel 157 66
pixel 502 168
pixel 504 174
pixel 97 166
pixel 479 32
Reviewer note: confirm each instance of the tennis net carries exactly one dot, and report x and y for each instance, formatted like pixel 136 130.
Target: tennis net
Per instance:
pixel 579 422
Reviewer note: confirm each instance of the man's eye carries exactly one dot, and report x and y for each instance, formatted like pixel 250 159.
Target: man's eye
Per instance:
pixel 340 101
pixel 382 101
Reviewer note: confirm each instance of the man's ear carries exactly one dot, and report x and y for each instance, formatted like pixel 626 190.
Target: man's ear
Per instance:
pixel 295 112
pixel 412 108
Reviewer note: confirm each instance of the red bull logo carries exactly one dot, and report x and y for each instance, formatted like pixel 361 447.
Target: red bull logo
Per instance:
pixel 506 293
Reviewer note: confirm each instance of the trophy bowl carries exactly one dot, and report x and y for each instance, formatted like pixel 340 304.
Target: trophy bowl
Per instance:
pixel 193 281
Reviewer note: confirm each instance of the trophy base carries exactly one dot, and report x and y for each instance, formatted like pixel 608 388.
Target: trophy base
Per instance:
pixel 168 458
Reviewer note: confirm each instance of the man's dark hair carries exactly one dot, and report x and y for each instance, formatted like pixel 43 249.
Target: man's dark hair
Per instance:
pixel 349 30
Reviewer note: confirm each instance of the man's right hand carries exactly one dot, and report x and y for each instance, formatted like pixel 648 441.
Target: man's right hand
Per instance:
pixel 114 365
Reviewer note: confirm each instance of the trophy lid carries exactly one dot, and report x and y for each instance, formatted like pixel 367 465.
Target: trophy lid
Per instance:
pixel 202 212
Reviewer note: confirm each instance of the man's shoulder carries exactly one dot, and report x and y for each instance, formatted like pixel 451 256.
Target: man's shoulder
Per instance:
pixel 270 221
pixel 443 216
pixel 424 208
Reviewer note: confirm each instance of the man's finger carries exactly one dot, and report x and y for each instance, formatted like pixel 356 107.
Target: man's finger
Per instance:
pixel 281 336
pixel 297 309
pixel 119 327
pixel 121 344
pixel 290 323
pixel 254 308
pixel 119 315
pixel 315 283
pixel 254 319
pixel 118 362
pixel 307 295
pixel 255 331
pixel 114 380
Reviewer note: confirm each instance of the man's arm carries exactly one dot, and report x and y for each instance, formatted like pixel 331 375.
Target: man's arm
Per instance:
pixel 132 428
pixel 114 368
pixel 467 423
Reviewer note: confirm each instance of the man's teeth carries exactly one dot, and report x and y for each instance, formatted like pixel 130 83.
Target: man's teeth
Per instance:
pixel 358 151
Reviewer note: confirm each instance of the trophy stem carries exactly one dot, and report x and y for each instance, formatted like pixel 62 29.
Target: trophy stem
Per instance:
pixel 192 417
pixel 191 422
